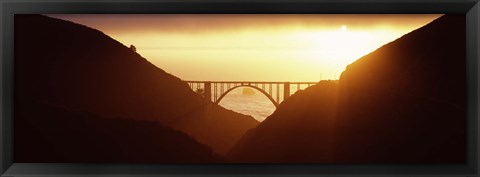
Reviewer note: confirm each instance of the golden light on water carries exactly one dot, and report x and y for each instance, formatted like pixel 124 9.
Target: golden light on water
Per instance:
pixel 254 47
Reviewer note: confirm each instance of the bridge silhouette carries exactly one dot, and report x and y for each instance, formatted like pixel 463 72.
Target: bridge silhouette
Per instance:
pixel 217 90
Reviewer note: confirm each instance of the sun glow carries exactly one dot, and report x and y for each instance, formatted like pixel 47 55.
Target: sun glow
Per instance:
pixel 254 47
pixel 335 49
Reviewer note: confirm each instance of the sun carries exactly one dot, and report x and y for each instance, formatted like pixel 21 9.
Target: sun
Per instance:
pixel 333 49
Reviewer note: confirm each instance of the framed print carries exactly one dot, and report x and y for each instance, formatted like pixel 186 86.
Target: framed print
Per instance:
pixel 196 88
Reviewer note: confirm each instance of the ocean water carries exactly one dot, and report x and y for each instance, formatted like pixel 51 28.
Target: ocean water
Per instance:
pixel 256 105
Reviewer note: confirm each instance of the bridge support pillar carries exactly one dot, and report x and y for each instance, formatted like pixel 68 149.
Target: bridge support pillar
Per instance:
pixel 286 90
pixel 207 93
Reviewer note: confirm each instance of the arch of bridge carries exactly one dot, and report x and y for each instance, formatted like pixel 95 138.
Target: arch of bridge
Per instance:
pixel 251 86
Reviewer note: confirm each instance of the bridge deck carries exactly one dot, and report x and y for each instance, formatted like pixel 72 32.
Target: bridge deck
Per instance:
pixel 216 90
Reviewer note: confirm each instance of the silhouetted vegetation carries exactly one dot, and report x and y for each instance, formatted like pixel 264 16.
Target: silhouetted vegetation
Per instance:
pixel 90 72
pixel 200 91
pixel 96 100
pixel 133 48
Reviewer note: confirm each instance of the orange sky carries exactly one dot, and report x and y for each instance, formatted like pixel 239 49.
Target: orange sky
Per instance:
pixel 253 47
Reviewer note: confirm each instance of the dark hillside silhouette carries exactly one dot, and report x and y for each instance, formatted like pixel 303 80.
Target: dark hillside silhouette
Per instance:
pixel 403 103
pixel 60 135
pixel 406 101
pixel 300 130
pixel 78 68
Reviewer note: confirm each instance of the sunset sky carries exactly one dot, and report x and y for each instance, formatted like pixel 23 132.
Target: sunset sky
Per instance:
pixel 253 47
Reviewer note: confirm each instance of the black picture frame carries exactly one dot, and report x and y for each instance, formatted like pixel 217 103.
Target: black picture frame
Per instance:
pixel 10 7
